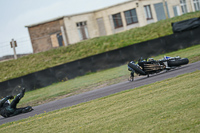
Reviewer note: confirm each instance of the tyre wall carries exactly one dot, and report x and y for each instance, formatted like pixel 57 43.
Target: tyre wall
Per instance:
pixel 101 61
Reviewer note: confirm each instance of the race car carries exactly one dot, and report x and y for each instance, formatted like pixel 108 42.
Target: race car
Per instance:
pixel 151 66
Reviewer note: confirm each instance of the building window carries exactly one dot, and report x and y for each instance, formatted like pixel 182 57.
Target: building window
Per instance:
pixel 148 13
pixel 176 11
pixel 183 6
pixel 82 30
pixel 117 20
pixel 196 5
pixel 131 17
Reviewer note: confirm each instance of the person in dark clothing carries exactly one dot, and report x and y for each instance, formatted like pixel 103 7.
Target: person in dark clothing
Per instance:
pixel 8 109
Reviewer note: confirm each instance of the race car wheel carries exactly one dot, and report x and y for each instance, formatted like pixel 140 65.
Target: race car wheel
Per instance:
pixel 178 62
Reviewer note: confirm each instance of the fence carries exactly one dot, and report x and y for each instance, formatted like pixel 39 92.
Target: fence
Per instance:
pixel 101 61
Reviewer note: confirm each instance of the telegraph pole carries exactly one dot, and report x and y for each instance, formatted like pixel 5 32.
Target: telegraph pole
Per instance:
pixel 165 9
pixel 13 44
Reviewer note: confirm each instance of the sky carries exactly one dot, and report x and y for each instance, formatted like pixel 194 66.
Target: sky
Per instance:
pixel 16 14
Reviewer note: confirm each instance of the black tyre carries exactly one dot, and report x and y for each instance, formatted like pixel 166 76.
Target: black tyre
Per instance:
pixel 178 62
pixel 137 69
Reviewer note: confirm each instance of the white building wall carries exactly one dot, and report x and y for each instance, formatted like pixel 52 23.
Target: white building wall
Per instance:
pixel 171 4
pixel 72 29
pixel 106 14
pixel 189 5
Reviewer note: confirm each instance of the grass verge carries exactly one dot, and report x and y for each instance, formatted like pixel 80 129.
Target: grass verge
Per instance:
pixel 171 105
pixel 43 60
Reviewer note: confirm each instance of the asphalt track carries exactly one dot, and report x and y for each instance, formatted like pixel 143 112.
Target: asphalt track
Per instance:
pixel 94 94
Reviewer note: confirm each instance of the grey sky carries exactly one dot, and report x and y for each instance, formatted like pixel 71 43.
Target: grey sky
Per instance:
pixel 15 14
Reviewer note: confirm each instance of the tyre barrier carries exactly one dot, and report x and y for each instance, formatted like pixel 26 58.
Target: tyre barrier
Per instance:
pixel 178 62
pixel 136 68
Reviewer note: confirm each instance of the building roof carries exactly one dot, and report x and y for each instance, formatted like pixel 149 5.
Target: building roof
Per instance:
pixel 61 17
pixel 43 22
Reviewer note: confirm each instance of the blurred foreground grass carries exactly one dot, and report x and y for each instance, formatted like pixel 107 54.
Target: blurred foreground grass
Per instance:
pixel 172 105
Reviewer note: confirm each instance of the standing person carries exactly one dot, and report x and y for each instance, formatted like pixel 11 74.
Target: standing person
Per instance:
pixel 8 109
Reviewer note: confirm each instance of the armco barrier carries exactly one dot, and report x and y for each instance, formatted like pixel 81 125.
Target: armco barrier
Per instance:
pixel 101 61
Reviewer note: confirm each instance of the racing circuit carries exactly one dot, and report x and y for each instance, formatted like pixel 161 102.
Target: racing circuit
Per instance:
pixel 102 92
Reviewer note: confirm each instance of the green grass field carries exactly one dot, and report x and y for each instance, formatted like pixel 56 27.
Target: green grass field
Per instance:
pixel 43 60
pixel 172 105
pixel 94 80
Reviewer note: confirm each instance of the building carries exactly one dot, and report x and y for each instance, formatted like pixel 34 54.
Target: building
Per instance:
pixel 74 28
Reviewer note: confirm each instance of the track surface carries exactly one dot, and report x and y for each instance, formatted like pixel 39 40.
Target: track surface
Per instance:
pixel 91 95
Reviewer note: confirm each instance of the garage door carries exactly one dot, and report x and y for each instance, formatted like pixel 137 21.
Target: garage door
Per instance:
pixel 102 30
pixel 160 13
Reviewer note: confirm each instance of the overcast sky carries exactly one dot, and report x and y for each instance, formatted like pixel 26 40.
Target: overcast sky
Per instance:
pixel 16 14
